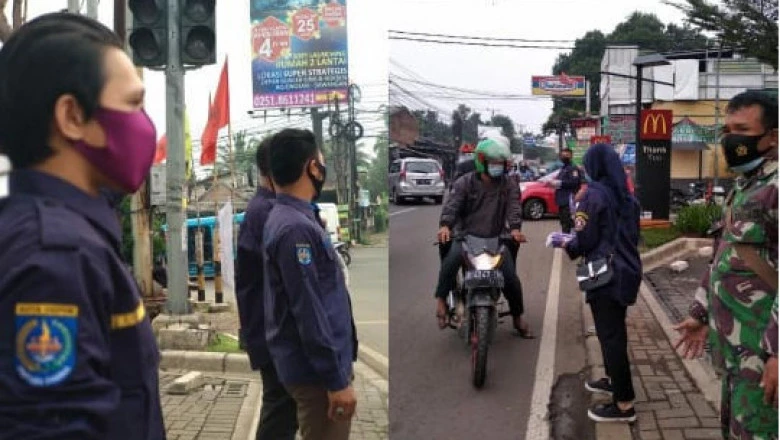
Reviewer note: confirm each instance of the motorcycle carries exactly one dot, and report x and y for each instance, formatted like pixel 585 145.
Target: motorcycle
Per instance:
pixel 343 249
pixel 475 304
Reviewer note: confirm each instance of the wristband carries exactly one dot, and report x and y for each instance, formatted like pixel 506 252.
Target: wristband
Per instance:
pixel 698 312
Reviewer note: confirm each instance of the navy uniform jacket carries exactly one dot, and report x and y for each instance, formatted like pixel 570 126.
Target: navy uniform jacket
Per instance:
pixel 595 223
pixel 78 359
pixel 249 278
pixel 308 318
pixel 570 179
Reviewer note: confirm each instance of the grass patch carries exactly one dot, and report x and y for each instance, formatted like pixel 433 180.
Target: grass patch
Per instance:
pixel 654 237
pixel 224 344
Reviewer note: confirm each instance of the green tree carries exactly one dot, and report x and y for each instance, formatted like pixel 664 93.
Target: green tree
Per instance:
pixel 640 29
pixel 243 155
pixel 747 24
pixel 376 181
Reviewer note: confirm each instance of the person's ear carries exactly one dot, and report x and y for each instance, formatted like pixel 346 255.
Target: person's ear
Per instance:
pixel 69 118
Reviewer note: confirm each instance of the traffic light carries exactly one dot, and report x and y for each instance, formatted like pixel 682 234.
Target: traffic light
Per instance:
pixel 149 36
pixel 198 32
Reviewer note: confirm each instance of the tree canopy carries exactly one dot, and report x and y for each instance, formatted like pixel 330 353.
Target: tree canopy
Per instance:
pixel 750 25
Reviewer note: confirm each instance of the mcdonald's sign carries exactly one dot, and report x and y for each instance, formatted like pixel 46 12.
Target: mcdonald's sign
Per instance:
pixel 656 125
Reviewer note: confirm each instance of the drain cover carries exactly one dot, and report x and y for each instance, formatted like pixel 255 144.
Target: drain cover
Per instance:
pixel 234 389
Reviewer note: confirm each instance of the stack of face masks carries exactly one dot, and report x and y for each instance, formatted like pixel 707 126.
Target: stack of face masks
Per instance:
pixel 558 239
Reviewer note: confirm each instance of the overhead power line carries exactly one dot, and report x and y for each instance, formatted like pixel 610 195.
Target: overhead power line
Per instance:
pixel 470 43
pixel 464 37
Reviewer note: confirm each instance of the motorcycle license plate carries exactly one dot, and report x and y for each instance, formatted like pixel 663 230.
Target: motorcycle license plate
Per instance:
pixel 484 278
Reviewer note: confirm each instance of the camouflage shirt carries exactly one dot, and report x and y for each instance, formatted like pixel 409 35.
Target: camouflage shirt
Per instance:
pixel 740 307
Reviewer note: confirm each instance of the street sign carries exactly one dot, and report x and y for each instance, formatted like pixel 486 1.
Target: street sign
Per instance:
pixel 157 185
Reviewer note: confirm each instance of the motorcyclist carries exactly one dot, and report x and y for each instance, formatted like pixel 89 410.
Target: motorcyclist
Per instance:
pixel 482 203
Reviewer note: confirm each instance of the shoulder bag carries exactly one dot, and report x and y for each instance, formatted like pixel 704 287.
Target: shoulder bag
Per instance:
pixel 594 274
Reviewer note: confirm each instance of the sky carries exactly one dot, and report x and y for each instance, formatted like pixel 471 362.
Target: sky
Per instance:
pixel 502 70
pixel 367 47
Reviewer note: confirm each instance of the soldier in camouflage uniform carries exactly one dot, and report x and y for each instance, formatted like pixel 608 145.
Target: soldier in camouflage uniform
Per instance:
pixel 738 295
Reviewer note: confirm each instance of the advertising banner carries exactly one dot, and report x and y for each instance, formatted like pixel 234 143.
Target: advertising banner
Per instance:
pixel 299 52
pixel 561 85
pixel 620 128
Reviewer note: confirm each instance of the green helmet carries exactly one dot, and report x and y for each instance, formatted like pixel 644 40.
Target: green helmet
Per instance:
pixel 490 150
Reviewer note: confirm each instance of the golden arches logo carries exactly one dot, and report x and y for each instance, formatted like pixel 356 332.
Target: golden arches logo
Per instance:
pixel 656 118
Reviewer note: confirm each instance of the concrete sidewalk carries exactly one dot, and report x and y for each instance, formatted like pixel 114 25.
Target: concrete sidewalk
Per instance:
pixel 675 399
pixel 224 406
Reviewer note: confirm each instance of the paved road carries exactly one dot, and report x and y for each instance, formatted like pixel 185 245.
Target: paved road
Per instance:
pixel 432 395
pixel 369 289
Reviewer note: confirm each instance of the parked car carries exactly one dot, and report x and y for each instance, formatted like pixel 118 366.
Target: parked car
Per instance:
pixel 416 178
pixel 538 199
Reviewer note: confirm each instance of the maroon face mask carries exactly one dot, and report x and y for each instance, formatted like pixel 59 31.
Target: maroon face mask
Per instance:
pixel 131 141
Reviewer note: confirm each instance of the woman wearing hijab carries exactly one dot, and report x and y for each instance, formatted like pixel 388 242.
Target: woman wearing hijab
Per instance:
pixel 608 207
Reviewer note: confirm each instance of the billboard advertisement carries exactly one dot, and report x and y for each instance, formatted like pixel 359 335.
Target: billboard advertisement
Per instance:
pixel 561 85
pixel 299 52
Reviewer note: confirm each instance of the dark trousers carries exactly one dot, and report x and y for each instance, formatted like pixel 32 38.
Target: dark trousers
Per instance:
pixel 451 263
pixel 610 319
pixel 278 416
pixel 564 214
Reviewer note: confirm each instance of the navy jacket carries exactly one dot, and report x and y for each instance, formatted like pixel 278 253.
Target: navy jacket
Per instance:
pixel 596 221
pixel 307 309
pixel 570 179
pixel 250 280
pixel 78 359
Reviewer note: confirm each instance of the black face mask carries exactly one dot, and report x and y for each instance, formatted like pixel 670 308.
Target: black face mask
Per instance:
pixel 741 151
pixel 318 184
pixel 566 160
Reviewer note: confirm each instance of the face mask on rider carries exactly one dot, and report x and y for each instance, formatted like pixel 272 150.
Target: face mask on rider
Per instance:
pixel 741 152
pixel 495 170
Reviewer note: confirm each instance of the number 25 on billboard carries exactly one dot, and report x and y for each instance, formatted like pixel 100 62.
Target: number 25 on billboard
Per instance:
pixel 305 26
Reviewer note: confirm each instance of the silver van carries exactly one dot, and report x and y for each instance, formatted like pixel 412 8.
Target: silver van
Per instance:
pixel 416 178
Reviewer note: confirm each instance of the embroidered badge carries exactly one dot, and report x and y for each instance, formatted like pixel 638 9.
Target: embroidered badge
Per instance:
pixel 575 173
pixel 580 220
pixel 304 253
pixel 45 342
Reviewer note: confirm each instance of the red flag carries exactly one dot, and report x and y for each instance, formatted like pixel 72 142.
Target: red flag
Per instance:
pixel 219 116
pixel 162 150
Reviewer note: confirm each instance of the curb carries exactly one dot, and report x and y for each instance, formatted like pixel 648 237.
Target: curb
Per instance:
pixel 238 363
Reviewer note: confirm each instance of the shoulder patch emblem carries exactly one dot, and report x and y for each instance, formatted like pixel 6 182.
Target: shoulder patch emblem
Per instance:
pixel 303 251
pixel 580 220
pixel 46 335
pixel 575 173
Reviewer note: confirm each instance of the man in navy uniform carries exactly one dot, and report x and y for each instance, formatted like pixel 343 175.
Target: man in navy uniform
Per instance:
pixel 278 413
pixel 78 358
pixel 309 325
pixel 566 185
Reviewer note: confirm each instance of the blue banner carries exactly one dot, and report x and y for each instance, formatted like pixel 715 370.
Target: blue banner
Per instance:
pixel 299 52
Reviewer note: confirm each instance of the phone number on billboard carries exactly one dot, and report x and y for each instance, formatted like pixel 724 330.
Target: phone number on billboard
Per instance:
pixel 284 100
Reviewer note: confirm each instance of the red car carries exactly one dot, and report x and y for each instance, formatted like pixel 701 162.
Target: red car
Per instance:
pixel 538 199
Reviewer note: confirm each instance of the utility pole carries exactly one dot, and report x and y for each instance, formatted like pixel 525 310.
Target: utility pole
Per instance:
pixel 717 109
pixel 175 169
pixel 139 202
pixel 587 98
pixel 92 9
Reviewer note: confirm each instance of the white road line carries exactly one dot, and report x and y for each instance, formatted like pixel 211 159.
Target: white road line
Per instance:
pixel 377 322
pixel 402 211
pixel 538 425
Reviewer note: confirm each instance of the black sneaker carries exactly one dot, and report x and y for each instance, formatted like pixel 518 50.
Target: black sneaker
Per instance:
pixel 609 412
pixel 599 386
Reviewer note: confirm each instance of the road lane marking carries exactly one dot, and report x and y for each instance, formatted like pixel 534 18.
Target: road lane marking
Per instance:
pixel 379 322
pixel 402 211
pixel 538 425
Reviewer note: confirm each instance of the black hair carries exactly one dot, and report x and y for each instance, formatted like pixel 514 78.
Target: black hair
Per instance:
pixel 291 150
pixel 263 157
pixel 50 56
pixel 753 97
pixel 567 150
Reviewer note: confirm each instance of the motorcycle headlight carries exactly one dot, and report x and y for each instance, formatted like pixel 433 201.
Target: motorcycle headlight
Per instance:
pixel 485 261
